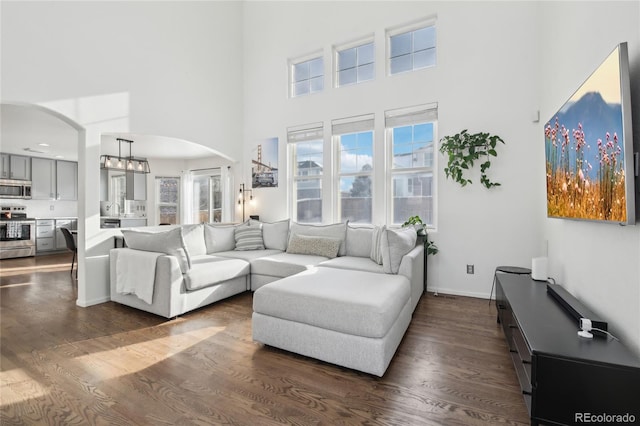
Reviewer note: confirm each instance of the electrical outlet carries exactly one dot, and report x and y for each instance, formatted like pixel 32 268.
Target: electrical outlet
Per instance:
pixel 470 269
pixel 51 207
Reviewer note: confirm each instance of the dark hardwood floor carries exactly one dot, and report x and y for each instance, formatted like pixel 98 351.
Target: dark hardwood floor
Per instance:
pixel 110 364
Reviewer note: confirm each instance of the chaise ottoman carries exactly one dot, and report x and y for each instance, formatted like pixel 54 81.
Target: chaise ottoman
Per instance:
pixel 350 318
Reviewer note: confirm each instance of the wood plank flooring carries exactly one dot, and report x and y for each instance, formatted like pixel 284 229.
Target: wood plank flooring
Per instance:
pixel 113 365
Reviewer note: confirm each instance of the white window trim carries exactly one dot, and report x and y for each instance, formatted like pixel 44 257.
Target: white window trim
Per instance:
pixel 350 45
pixel 405 28
pixel 299 59
pixel 395 116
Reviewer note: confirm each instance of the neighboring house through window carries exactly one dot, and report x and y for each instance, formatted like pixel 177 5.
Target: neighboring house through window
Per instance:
pixel 306 147
pixel 410 136
pixel 167 199
pixel 353 138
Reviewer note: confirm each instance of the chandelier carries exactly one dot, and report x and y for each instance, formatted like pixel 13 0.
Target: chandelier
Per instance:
pixel 127 163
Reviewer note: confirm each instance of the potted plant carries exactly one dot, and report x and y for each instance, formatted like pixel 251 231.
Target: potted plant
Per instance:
pixel 463 148
pixel 421 229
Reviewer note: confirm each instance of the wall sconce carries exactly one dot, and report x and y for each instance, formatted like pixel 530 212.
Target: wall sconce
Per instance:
pixel 242 197
pixel 128 164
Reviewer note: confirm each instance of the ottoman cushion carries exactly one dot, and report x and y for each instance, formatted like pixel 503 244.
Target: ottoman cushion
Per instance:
pixel 352 302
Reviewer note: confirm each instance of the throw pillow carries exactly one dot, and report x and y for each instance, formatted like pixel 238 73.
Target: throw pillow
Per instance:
pixel 335 230
pixel 249 237
pixel 275 234
pixel 319 246
pixel 394 245
pixel 194 239
pixel 168 242
pixel 359 240
pixel 376 238
pixel 219 237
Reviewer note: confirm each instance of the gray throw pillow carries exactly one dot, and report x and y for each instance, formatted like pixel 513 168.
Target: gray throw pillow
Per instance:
pixel 359 240
pixel 394 245
pixel 275 234
pixel 249 237
pixel 376 238
pixel 194 239
pixel 219 237
pixel 318 246
pixel 169 242
pixel 336 230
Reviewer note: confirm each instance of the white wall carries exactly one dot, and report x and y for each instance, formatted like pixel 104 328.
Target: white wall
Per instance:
pixel 598 263
pixel 485 80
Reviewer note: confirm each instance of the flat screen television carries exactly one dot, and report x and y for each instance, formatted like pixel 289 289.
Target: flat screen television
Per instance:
pixel 589 148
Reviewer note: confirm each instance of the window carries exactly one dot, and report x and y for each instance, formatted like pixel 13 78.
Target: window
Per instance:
pixel 410 135
pixel 306 147
pixel 207 198
pixel 306 77
pixel 354 64
pixel 353 138
pixel 167 200
pixel 412 50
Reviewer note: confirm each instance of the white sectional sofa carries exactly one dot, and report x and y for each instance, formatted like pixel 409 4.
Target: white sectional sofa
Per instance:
pixel 299 273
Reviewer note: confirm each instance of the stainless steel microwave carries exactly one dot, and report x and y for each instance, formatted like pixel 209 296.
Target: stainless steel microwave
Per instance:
pixel 10 188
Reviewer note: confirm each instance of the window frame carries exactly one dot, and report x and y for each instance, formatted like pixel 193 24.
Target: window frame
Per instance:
pixel 296 136
pixel 301 60
pixel 337 49
pixel 411 116
pixel 159 204
pixel 410 28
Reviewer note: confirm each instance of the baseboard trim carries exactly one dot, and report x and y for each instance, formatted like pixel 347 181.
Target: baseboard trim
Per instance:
pixel 87 303
pixel 454 292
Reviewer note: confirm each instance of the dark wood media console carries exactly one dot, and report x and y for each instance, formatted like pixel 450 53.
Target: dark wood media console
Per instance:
pixel 565 379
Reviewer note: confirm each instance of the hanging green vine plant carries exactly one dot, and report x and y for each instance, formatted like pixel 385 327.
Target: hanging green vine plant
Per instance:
pixel 463 149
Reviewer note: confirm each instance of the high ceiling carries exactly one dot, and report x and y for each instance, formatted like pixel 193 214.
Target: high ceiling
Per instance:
pixel 29 131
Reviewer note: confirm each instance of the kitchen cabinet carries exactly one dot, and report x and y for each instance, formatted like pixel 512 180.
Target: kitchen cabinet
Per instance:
pixel 45 235
pixel 15 167
pixel 54 179
pixel 132 222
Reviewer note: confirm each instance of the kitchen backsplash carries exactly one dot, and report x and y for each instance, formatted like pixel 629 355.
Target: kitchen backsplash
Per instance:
pixel 42 208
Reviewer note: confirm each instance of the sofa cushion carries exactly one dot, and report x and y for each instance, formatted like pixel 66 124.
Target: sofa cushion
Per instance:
pixel 359 241
pixel 394 245
pixel 352 302
pixel 284 264
pixel 248 255
pixel 376 243
pixel 318 246
pixel 354 263
pixel 336 230
pixel 249 237
pixel 219 237
pixel 214 270
pixel 170 242
pixel 194 239
pixel 274 234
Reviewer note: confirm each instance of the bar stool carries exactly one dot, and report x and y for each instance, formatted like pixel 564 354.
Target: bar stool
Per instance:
pixel 507 270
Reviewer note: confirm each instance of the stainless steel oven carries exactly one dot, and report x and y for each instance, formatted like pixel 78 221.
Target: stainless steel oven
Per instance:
pixel 10 188
pixel 17 233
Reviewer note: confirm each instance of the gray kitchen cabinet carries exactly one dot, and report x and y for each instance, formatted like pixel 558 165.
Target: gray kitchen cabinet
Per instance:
pixel 45 235
pixel 66 180
pixel 15 167
pixel 132 222
pixel 61 242
pixel 54 179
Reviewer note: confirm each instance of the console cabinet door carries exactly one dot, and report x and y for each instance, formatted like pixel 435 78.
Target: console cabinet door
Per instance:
pixel 43 179
pixel 67 180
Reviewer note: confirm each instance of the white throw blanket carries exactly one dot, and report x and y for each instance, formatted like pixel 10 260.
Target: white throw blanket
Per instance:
pixel 136 273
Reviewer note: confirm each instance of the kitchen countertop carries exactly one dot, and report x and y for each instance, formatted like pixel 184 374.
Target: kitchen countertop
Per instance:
pixel 57 218
pixel 122 217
